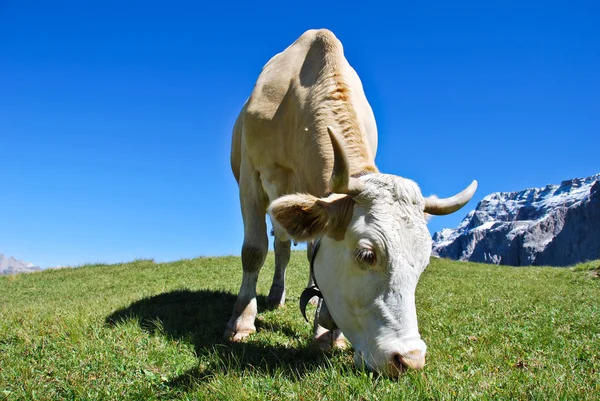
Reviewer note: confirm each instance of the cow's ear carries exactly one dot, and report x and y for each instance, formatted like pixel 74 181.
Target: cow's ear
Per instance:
pixel 305 217
pixel 339 209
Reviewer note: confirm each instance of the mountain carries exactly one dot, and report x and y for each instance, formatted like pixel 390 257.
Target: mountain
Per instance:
pixel 557 225
pixel 10 265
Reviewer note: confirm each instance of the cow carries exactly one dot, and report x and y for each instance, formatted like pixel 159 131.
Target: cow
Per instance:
pixel 303 151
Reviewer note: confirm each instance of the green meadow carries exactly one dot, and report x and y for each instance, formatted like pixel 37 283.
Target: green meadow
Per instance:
pixel 153 331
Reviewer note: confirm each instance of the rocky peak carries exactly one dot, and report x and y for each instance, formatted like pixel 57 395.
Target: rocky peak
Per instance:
pixel 10 265
pixel 526 227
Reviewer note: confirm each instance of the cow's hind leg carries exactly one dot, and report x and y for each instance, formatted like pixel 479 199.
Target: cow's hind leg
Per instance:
pixel 254 251
pixel 276 296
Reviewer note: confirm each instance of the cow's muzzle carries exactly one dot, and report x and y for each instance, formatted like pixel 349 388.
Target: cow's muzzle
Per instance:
pixel 410 360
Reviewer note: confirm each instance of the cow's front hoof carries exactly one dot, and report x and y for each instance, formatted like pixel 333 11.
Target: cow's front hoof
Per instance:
pixel 237 337
pixel 238 329
pixel 339 341
pixel 276 298
pixel 323 341
pixel 327 340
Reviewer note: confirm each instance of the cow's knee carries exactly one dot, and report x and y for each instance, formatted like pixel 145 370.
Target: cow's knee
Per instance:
pixel 253 256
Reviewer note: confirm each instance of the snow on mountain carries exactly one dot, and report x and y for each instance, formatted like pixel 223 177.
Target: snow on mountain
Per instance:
pixel 556 225
pixel 10 265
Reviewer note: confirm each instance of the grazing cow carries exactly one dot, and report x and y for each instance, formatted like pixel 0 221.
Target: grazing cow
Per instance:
pixel 303 149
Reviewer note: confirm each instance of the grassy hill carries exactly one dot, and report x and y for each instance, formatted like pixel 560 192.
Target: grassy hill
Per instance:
pixel 146 331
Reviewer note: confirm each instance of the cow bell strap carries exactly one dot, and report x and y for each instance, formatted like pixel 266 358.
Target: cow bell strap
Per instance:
pixel 313 257
pixel 313 290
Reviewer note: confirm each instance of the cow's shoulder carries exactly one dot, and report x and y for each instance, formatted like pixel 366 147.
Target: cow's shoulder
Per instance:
pixel 289 75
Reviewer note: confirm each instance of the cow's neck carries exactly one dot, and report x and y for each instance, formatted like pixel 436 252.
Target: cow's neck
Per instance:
pixel 336 107
pixel 360 166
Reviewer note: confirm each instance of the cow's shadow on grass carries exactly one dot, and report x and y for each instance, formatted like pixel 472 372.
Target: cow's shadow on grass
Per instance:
pixel 199 317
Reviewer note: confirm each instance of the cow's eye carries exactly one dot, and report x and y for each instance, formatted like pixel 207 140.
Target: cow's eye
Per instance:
pixel 366 256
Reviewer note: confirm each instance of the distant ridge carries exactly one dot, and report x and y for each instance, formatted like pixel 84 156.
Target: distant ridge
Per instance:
pixel 558 225
pixel 10 265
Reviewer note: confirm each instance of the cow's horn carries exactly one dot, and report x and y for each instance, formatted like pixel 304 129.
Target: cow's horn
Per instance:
pixel 444 206
pixel 340 181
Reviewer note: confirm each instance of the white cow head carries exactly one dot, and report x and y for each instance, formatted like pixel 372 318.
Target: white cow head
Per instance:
pixel 374 247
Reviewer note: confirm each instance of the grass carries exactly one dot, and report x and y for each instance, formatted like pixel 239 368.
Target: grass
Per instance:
pixel 147 331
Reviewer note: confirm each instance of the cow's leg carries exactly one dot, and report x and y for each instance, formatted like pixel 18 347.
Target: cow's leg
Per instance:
pixel 276 296
pixel 324 338
pixel 254 251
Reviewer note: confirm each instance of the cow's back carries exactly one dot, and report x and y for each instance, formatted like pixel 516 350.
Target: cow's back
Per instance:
pixel 282 127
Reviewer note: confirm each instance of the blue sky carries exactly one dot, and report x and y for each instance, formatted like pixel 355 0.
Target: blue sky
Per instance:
pixel 116 117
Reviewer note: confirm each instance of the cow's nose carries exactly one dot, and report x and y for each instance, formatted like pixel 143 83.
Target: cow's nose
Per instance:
pixel 414 359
